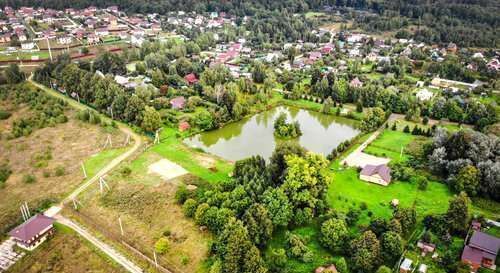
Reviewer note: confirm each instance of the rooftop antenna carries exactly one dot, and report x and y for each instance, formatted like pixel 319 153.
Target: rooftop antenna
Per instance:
pixel 25 211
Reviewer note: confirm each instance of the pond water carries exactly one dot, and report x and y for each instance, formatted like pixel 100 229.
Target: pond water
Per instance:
pixel 255 135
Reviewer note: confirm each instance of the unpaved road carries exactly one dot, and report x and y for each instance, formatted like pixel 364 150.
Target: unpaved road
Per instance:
pixel 54 211
pixel 111 252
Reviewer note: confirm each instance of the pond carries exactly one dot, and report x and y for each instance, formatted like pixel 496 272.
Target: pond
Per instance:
pixel 255 135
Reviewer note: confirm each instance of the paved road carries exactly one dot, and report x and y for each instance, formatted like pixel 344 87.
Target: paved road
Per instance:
pixel 54 211
pixel 120 259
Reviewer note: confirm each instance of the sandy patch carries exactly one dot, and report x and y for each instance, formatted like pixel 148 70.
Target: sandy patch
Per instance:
pixel 360 159
pixel 205 161
pixel 166 169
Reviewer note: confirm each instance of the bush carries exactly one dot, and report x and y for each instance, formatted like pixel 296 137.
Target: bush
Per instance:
pixel 363 206
pixel 5 172
pixel 126 171
pixel 29 178
pixel 4 115
pixel 189 207
pixel 182 194
pixel 162 245
pixel 60 171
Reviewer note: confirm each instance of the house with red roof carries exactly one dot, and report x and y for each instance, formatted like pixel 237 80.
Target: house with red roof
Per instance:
pixel 378 174
pixel 356 83
pixel 481 251
pixel 184 126
pixel 191 79
pixel 33 232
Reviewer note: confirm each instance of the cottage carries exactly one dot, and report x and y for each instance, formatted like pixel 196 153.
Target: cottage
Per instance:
pixel 327 269
pixel 92 39
pixel 356 83
pixel 481 251
pixel 424 94
pixel 137 40
pixel 406 266
pixel 33 232
pixel 28 46
pixel 422 268
pixel 64 40
pixel 183 126
pixel 426 247
pixel 178 103
pixel 378 174
pixel 191 79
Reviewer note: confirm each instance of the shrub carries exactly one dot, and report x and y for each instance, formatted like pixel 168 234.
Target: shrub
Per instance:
pixel 29 178
pixel 162 245
pixel 189 207
pixel 4 115
pixel 5 172
pixel 363 206
pixel 60 171
pixel 167 232
pixel 182 194
pixel 126 171
pixel 185 260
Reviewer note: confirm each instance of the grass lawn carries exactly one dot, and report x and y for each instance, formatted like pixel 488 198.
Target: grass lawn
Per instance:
pixel 312 14
pixel 172 148
pixel 389 144
pixel 314 106
pixel 348 191
pixel 99 160
pixel 24 56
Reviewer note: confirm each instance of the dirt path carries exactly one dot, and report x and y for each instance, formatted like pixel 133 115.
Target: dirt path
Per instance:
pixel 353 158
pixel 111 252
pixel 54 211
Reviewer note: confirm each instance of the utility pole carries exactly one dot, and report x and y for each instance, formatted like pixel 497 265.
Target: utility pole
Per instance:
pixel 121 226
pixel 84 171
pixel 50 51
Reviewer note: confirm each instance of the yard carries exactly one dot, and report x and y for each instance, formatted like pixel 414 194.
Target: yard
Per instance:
pixel 391 144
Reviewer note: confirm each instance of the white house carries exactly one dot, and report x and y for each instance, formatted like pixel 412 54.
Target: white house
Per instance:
pixel 28 46
pixel 137 40
pixel 64 40
pixel 424 94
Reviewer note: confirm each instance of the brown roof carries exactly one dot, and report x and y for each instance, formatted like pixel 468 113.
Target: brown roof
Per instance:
pixel 34 226
pixel 381 170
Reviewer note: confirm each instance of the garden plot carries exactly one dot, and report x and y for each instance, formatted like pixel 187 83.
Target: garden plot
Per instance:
pixel 166 169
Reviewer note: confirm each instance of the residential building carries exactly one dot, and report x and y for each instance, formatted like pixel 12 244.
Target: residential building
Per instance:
pixel 378 174
pixel 481 251
pixel 33 232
